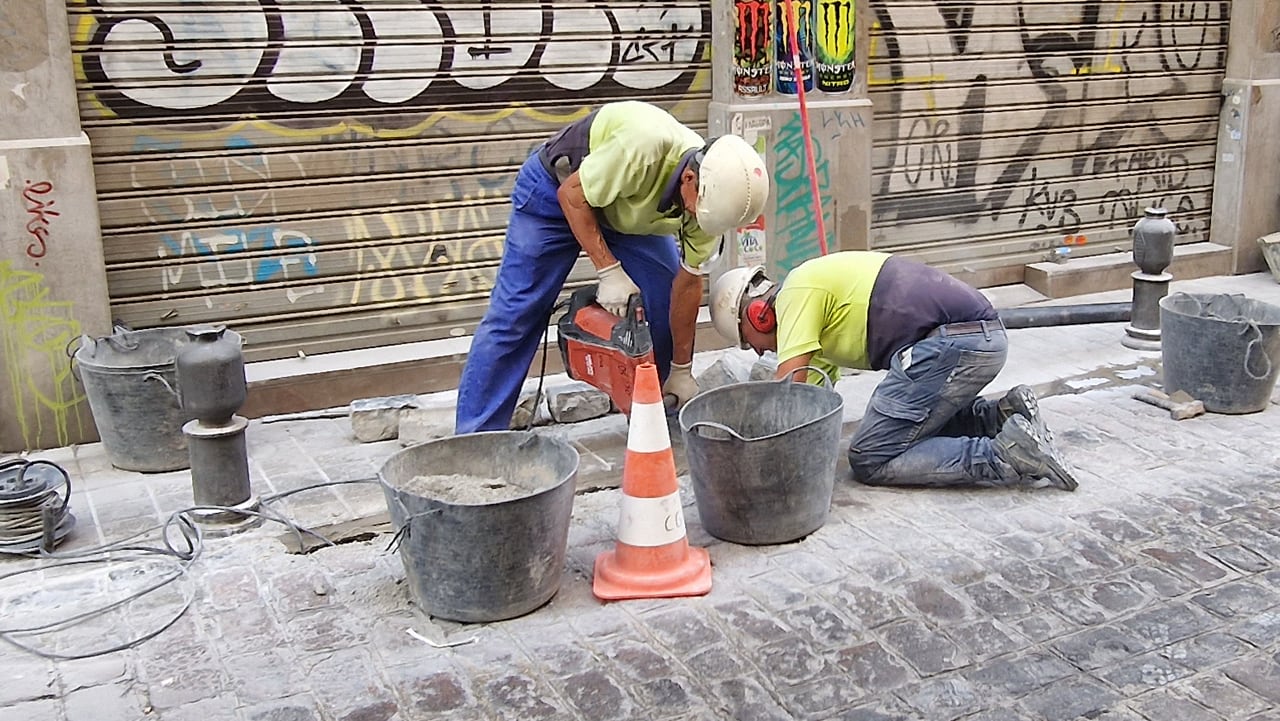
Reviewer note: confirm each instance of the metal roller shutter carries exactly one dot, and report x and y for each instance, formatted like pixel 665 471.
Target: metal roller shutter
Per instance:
pixel 1006 130
pixel 328 174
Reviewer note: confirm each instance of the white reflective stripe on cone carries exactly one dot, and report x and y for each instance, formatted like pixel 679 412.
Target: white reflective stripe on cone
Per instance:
pixel 648 430
pixel 651 521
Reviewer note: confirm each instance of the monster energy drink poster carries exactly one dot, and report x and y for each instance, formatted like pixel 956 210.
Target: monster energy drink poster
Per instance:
pixel 834 45
pixel 782 44
pixel 751 30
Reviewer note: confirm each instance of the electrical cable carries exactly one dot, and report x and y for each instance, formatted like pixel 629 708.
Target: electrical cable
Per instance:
pixel 793 19
pixel 181 543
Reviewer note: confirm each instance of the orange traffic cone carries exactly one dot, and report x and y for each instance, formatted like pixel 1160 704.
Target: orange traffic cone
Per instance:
pixel 652 558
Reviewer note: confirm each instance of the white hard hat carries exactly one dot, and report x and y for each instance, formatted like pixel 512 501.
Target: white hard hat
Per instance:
pixel 727 293
pixel 733 185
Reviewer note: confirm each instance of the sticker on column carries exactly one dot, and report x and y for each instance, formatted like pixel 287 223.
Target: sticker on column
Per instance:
pixel 751 29
pixel 834 45
pixel 786 77
pixel 751 240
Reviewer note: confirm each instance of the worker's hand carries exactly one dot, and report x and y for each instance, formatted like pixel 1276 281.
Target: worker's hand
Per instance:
pixel 616 288
pixel 680 385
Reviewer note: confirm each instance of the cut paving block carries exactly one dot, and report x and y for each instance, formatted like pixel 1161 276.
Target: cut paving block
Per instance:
pixel 419 425
pixel 377 419
pixel 577 401
pixel 733 366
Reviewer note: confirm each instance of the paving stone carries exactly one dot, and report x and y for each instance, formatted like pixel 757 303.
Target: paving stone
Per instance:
pixel 996 600
pixel 870 606
pixel 347 683
pixel 682 628
pixel 1018 675
pixel 818 698
pixel 637 660
pixel 1160 582
pixel 1070 699
pixel 576 401
pixel 1226 697
pixel 597 696
pixel 377 419
pixel 300 707
pixel 518 697
pixel 1165 624
pixel 715 663
pixel 1261 676
pixel 1187 563
pixel 745 700
pixel 83 673
pixel 1025 578
pixel 1075 605
pixel 1115 527
pixel 820 624
pixel 879 709
pixel 221 707
pixel 1236 599
pixel 935 602
pixel 1163 704
pixel 752 622
pixel 984 639
pixel 41 710
pixel 1134 675
pixel 1262 630
pixel 790 661
pixel 1240 558
pixel 927 651
pixel 1101 647
pixel 943 698
pixel 27 678
pixel 1206 651
pixel 1117 596
pixel 267 675
pixel 111 702
pixel 872 667
pixel 671 696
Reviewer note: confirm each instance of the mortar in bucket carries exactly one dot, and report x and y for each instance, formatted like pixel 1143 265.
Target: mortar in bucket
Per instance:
pixel 130 379
pixel 483 520
pixel 1222 349
pixel 762 458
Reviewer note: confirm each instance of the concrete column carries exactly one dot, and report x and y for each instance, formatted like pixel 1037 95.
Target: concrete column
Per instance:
pixel 53 284
pixel 1246 188
pixel 839 123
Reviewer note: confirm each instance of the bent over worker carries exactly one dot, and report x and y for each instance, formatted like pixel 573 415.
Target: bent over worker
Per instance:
pixel 617 184
pixel 940 341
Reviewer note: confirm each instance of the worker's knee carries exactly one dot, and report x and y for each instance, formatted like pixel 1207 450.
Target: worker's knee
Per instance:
pixel 866 468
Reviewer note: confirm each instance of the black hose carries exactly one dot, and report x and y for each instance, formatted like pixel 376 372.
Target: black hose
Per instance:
pixel 1047 315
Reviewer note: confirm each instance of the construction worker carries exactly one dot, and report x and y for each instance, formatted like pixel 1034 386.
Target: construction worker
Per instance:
pixel 617 185
pixel 940 341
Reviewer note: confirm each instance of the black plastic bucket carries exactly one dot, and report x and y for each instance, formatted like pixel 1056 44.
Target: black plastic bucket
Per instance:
pixel 1222 349
pixel 130 379
pixel 483 561
pixel 762 458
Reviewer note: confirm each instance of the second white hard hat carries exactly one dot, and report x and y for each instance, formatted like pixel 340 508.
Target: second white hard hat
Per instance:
pixel 727 293
pixel 733 185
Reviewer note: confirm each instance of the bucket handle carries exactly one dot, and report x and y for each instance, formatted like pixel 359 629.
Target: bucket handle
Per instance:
pixel 1248 353
pixel 153 376
pixel 719 427
pixel 826 379
pixel 403 531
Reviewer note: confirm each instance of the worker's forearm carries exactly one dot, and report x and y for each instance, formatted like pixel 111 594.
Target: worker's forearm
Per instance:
pixel 582 221
pixel 795 368
pixel 686 292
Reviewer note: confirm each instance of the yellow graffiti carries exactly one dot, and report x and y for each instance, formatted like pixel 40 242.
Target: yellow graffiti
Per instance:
pixel 872 80
pixel 1108 64
pixel 31 326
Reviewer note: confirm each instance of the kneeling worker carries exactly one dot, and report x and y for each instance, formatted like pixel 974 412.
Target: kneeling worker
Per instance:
pixel 941 342
pixel 617 184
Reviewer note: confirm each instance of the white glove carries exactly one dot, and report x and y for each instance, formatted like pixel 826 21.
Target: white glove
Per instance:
pixel 615 289
pixel 680 384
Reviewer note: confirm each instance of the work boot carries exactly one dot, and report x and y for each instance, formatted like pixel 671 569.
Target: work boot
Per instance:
pixel 1021 401
pixel 1031 455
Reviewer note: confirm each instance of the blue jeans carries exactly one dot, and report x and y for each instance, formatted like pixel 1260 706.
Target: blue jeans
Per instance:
pixel 537 256
pixel 925 424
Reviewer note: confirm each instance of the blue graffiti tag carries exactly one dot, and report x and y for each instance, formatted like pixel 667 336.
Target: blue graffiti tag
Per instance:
pixel 797 227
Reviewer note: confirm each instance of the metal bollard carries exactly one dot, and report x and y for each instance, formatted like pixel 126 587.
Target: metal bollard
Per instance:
pixel 1152 252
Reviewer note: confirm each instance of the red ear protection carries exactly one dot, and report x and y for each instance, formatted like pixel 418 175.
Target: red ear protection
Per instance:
pixel 761 316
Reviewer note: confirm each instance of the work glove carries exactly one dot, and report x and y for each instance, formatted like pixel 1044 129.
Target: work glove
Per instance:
pixel 616 288
pixel 680 386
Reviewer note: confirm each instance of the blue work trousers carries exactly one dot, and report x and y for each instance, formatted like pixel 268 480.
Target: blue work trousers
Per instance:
pixel 925 424
pixel 537 256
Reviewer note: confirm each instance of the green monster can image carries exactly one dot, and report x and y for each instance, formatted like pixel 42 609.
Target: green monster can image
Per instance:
pixel 752 29
pixel 834 45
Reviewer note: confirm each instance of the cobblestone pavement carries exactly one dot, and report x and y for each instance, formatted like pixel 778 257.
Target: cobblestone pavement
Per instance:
pixel 1153 592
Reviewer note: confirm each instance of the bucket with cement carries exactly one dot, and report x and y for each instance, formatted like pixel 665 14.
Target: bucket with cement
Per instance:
pixel 762 458
pixel 130 379
pixel 483 521
pixel 1222 349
